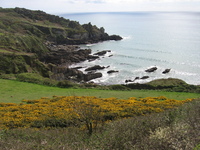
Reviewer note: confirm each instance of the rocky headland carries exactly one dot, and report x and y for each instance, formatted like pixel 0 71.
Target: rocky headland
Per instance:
pixel 34 41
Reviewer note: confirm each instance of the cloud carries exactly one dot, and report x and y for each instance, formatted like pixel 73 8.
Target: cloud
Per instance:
pixel 86 1
pixel 129 1
pixel 64 6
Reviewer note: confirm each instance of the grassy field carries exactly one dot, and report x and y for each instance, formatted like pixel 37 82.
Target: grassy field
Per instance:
pixel 15 91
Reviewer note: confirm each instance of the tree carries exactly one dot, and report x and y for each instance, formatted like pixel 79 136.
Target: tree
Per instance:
pixel 88 113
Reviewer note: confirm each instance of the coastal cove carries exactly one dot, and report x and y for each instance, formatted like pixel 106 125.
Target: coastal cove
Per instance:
pixel 120 48
pixel 77 85
pixel 162 40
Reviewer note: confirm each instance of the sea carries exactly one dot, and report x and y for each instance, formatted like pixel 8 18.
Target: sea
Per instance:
pixel 166 40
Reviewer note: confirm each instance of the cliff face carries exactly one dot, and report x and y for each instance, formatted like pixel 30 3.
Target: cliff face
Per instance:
pixel 25 32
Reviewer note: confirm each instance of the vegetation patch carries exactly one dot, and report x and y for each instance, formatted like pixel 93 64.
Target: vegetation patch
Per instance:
pixel 4 51
pixel 170 84
pixel 176 128
pixel 64 111
pixel 36 78
pixel 15 91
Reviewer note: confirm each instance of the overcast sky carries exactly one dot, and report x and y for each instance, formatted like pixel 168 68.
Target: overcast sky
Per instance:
pixel 74 6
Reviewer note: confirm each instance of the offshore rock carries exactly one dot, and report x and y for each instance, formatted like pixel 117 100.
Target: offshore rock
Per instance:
pixel 144 77
pixel 94 68
pixel 166 71
pixel 101 53
pixel 151 69
pixel 112 71
pixel 92 58
pixel 115 37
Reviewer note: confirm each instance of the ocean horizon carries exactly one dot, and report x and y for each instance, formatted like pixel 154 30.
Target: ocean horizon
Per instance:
pixel 166 40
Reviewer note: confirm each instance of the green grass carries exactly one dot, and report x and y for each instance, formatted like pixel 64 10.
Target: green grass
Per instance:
pixel 4 51
pixel 15 91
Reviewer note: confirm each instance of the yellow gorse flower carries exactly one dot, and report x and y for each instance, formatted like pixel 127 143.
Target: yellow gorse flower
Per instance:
pixel 63 111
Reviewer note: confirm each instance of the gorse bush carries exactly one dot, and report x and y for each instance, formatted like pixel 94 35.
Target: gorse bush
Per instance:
pixel 146 132
pixel 79 111
pixel 154 132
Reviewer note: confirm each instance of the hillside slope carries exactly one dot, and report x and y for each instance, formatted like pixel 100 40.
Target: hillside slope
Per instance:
pixel 34 41
pixel 27 30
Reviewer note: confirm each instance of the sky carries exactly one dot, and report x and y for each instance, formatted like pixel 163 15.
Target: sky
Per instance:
pixel 78 6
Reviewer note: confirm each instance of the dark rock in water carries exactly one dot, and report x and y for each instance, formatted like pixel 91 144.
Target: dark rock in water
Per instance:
pixel 151 69
pixel 115 37
pixel 136 78
pixel 90 76
pixel 94 68
pixel 92 58
pixel 107 66
pixel 101 53
pixel 112 71
pixel 166 71
pixel 77 68
pixel 110 55
pixel 144 77
pixel 126 81
pixel 62 73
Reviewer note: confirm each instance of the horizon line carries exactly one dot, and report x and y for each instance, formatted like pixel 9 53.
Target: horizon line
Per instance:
pixel 128 12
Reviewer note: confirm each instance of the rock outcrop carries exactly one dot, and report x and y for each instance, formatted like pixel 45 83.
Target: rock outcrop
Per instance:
pixel 144 77
pixel 151 69
pixel 90 76
pixel 95 68
pixel 66 54
pixel 166 71
pixel 63 73
pixel 101 53
pixel 112 71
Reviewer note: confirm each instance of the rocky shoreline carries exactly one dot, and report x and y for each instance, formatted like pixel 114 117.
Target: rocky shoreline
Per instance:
pixel 61 57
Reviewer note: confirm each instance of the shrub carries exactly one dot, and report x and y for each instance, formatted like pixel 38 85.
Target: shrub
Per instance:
pixel 150 132
pixel 65 84
pixel 35 78
pixel 86 110
pixel 118 87
pixel 8 76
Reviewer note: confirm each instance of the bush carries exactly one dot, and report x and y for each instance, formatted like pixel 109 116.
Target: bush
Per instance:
pixel 52 123
pixel 172 130
pixel 118 87
pixel 65 84
pixel 7 76
pixel 35 78
pixel 151 132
